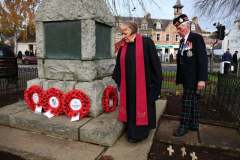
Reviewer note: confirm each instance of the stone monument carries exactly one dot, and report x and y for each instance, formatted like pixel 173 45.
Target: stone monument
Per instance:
pixel 75 50
pixel 75 47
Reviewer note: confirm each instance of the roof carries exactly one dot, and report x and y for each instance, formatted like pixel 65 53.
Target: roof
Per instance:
pixel 151 21
pixel 178 4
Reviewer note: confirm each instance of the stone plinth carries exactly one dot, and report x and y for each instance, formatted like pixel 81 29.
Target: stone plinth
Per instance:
pixel 103 130
pixel 10 110
pixel 57 126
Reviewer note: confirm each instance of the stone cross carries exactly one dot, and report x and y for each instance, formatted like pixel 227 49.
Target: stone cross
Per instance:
pixel 184 153
pixel 193 155
pixel 170 150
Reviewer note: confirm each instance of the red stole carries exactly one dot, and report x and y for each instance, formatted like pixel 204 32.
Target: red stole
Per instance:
pixel 141 94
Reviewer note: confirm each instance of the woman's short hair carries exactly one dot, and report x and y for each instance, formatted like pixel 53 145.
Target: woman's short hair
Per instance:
pixel 132 25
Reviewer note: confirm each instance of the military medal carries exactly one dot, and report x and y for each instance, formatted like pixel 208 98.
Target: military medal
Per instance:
pixel 189 53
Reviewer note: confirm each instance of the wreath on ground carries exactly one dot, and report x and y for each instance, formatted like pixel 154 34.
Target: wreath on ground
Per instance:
pixel 34 97
pixel 54 101
pixel 76 103
pixel 109 99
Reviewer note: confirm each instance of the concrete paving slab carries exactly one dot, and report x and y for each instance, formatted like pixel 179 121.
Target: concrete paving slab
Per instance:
pixel 36 145
pixel 10 110
pixel 219 136
pixel 168 127
pixel 56 126
pixel 104 129
pixel 160 108
pixel 123 150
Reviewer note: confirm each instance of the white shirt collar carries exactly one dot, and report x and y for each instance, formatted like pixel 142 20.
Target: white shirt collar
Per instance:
pixel 186 37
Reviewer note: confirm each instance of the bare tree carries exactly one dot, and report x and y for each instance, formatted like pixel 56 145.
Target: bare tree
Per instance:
pixel 129 5
pixel 219 8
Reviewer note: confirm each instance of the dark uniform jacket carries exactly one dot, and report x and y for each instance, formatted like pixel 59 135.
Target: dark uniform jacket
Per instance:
pixel 192 65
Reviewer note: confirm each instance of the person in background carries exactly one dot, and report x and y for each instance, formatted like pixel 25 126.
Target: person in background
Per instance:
pixel 19 55
pixel 235 61
pixel 227 60
pixel 171 58
pixel 192 73
pixel 27 53
pixel 7 50
pixel 138 76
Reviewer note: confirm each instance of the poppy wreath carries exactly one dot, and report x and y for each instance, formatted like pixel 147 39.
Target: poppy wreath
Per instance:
pixel 54 101
pixel 34 96
pixel 109 99
pixel 76 102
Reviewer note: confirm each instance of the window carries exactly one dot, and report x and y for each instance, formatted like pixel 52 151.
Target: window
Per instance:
pixel 166 50
pixel 158 25
pixel 158 37
pixel 145 26
pixel 167 37
pixel 119 35
pixel 193 27
pixel 177 38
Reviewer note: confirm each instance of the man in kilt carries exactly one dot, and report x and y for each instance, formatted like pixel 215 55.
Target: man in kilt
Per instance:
pixel 192 73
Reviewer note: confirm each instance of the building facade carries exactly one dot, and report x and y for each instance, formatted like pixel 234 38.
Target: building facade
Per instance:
pixel 163 32
pixel 232 39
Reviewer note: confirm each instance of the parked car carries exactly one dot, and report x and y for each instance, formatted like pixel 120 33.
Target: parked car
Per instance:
pixel 29 60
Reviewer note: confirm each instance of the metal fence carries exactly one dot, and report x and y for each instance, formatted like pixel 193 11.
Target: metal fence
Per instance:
pixel 219 101
pixel 11 92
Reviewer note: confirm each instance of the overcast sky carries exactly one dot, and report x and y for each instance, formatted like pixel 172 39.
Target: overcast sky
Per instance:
pixel 166 12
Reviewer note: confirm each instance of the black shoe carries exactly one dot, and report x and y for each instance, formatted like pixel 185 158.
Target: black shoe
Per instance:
pixel 130 140
pixel 180 132
pixel 193 128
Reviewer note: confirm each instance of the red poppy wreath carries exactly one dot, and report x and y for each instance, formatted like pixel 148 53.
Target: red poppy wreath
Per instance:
pixel 109 99
pixel 54 102
pixel 77 103
pixel 33 97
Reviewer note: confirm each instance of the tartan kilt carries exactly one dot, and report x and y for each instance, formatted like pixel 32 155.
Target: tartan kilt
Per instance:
pixel 190 109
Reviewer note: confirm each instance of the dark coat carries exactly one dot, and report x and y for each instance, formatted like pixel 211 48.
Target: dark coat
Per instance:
pixel 192 67
pixel 7 51
pixel 235 59
pixel 153 76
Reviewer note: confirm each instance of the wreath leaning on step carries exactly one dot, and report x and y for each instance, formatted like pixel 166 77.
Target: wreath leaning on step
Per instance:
pixel 109 99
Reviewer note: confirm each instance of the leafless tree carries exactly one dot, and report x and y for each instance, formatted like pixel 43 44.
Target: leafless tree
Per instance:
pixel 219 8
pixel 129 5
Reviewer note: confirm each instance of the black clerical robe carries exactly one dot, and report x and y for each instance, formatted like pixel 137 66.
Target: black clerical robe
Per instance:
pixel 153 76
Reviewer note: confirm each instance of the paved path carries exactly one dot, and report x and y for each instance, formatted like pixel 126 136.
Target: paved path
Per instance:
pixel 208 135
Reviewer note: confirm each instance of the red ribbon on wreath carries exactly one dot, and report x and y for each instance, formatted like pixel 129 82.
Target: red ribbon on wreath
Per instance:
pixel 76 103
pixel 34 97
pixel 109 99
pixel 54 101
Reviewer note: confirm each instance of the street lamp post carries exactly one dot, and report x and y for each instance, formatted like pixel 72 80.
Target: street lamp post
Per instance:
pixel 211 55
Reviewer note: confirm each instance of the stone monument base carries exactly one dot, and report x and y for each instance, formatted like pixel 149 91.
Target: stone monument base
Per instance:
pixel 103 130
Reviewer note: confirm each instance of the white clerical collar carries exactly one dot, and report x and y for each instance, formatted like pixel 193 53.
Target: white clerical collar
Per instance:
pixel 186 37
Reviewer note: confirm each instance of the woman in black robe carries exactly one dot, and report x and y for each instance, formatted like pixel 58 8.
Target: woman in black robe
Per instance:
pixel 153 77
